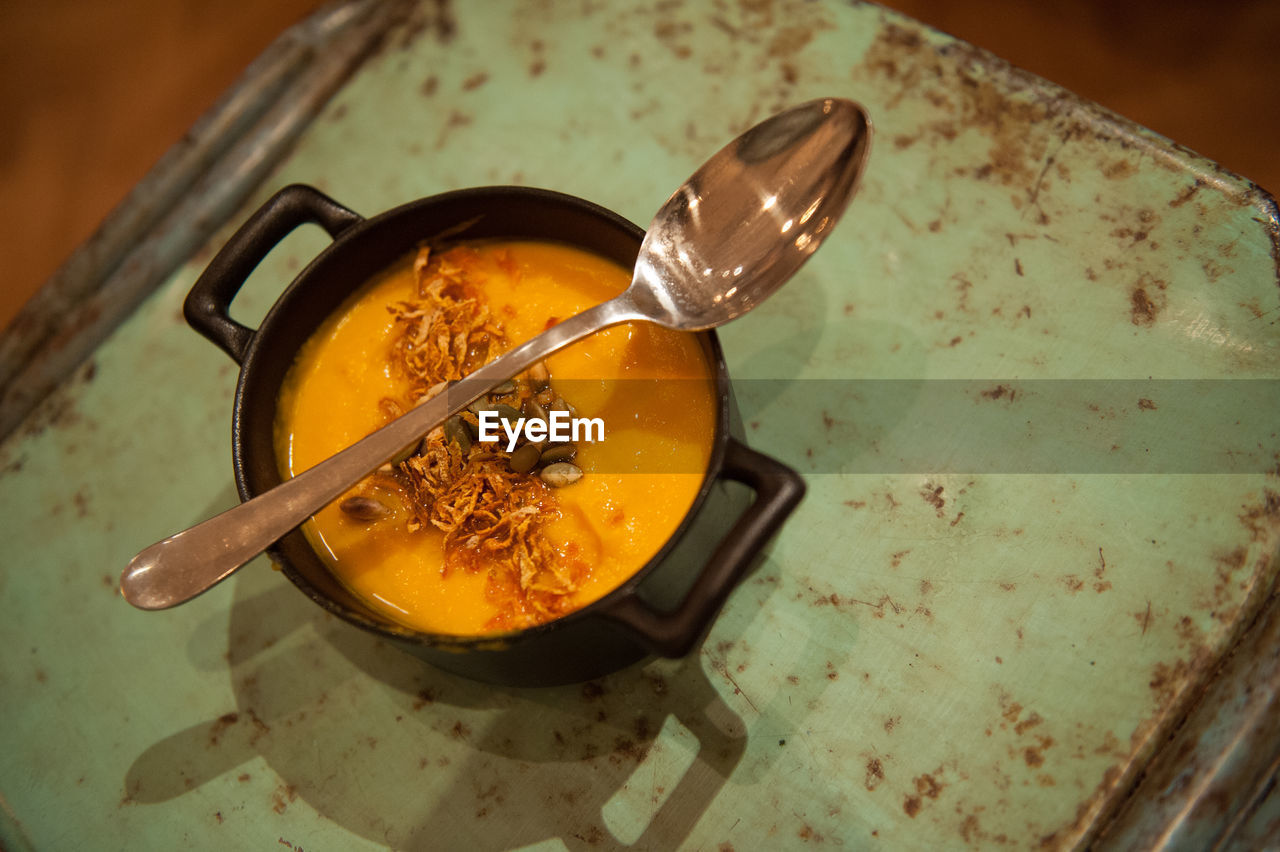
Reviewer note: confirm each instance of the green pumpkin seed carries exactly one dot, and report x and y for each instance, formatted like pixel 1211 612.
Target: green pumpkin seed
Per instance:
pixel 405 453
pixel 558 453
pixel 503 389
pixel 455 430
pixel 562 404
pixel 364 508
pixel 524 459
pixel 560 474
pixel 539 375
pixel 506 412
pixel 534 410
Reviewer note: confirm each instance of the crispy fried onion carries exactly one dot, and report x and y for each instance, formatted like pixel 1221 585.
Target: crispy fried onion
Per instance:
pixel 447 331
pixel 493 518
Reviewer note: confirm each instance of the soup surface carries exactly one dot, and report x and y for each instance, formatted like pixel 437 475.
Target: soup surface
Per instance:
pixel 459 537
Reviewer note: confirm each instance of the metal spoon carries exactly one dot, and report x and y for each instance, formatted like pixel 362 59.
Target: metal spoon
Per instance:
pixel 726 240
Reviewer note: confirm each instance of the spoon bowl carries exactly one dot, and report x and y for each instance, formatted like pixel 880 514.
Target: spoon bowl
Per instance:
pixel 742 224
pixel 728 238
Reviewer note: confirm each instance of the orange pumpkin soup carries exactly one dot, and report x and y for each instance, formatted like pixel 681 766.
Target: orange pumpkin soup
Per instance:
pixel 468 537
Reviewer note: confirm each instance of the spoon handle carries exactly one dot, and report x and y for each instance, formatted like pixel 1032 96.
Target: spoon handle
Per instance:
pixel 182 566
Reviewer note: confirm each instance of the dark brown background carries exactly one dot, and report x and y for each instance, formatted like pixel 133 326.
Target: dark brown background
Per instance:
pixel 93 93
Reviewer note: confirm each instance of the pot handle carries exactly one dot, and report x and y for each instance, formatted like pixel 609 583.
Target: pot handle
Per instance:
pixel 779 490
pixel 207 307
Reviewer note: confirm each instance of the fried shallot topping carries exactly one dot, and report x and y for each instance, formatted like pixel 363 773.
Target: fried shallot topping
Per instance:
pixel 447 331
pixel 493 518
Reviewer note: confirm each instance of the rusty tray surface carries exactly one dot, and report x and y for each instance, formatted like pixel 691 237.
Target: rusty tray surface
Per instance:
pixel 1050 631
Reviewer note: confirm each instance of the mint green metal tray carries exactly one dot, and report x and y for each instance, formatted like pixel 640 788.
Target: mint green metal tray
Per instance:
pixel 949 645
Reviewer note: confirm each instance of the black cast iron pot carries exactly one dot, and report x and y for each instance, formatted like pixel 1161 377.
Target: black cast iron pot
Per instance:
pixel 665 608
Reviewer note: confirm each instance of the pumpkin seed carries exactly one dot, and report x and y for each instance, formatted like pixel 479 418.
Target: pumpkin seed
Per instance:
pixel 503 389
pixel 524 459
pixel 558 453
pixel 455 430
pixel 506 412
pixel 364 508
pixel 539 375
pixel 562 404
pixel 560 474
pixel 405 453
pixel 534 410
